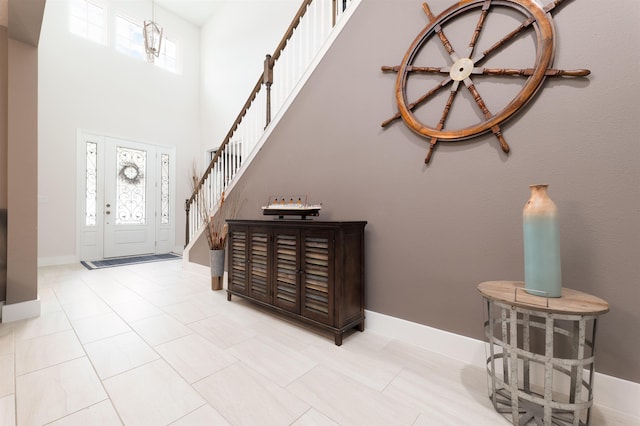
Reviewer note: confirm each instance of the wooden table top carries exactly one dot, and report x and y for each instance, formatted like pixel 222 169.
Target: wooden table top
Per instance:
pixel 571 302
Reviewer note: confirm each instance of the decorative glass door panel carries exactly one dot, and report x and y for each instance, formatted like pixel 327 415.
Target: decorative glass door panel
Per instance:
pixel 129 198
pixel 131 186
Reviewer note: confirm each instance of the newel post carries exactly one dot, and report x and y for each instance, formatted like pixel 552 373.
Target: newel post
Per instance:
pixel 187 208
pixel 267 79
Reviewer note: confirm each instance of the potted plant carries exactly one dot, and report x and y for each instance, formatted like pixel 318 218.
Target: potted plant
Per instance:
pixel 215 229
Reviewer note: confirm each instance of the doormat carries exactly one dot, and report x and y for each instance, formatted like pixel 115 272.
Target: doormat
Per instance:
pixel 131 260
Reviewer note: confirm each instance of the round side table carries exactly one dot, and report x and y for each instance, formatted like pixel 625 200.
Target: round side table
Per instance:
pixel 541 353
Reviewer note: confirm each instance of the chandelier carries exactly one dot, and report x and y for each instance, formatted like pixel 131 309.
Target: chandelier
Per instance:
pixel 152 36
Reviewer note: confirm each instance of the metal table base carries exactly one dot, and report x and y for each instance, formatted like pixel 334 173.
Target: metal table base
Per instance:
pixel 540 360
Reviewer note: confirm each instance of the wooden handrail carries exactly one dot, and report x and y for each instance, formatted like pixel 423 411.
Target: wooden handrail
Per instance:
pixel 294 24
pixel 268 70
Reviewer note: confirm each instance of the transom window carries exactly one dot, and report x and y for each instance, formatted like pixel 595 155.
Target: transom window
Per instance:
pixel 168 57
pixel 87 20
pixel 129 39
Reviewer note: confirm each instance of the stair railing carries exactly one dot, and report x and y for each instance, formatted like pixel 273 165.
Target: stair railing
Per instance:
pixel 302 41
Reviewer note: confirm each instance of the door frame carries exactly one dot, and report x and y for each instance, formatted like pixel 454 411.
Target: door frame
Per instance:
pixel 90 238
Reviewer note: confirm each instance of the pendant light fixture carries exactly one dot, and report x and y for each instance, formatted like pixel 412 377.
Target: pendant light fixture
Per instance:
pixel 152 33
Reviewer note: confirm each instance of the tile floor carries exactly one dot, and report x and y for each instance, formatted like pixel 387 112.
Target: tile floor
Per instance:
pixel 152 345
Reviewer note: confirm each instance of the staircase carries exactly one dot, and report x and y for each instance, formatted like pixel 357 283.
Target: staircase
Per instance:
pixel 312 31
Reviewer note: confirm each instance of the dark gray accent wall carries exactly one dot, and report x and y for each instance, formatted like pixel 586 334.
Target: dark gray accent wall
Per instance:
pixel 435 232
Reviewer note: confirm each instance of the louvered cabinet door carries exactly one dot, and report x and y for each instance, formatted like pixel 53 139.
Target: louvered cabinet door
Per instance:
pixel 317 276
pixel 287 268
pixel 259 263
pixel 312 271
pixel 238 260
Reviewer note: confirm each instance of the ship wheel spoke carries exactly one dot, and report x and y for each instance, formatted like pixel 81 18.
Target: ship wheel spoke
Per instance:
pixel 525 72
pixel 487 114
pixel 420 100
pixel 443 38
pixel 512 35
pixel 479 26
pixel 443 119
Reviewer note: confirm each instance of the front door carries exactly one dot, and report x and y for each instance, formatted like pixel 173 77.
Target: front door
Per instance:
pixel 125 197
pixel 129 201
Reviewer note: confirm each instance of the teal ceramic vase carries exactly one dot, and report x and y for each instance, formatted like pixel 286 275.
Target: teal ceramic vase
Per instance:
pixel 542 265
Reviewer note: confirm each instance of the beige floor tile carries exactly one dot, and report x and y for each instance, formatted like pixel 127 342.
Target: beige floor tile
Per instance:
pixel 48 306
pixel 369 380
pixel 185 312
pixel 99 327
pixel 203 416
pixel 45 324
pixel 194 357
pixel 152 394
pixel 141 285
pixel 118 354
pixel 48 300
pixel 8 410
pixel 366 369
pixel 116 294
pixel 100 414
pixel 348 402
pixel 222 331
pixel 45 351
pixel 443 401
pixel 314 418
pixel 7 375
pixel 87 307
pixel 54 392
pixel 274 361
pixel 292 334
pixel 160 329
pixel 165 297
pixel 136 310
pixel 7 338
pixel 244 397
pixel 73 292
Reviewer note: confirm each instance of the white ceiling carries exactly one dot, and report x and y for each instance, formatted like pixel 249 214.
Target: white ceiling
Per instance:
pixel 195 11
pixel 198 12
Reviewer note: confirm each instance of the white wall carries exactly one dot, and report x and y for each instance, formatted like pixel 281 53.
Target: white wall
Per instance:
pixel 234 44
pixel 84 85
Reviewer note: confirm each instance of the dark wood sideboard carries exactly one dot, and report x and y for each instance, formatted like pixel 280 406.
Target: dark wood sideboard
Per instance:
pixel 309 270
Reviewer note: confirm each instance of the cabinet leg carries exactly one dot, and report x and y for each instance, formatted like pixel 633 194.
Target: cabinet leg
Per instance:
pixel 228 296
pixel 360 327
pixel 338 339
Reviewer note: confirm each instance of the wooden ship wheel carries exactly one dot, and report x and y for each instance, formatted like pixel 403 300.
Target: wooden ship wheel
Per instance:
pixel 465 66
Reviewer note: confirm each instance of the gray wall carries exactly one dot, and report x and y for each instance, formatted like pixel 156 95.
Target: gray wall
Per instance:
pixel 4 80
pixel 435 232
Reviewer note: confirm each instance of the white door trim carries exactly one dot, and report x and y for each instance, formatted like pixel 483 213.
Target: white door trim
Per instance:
pixel 90 239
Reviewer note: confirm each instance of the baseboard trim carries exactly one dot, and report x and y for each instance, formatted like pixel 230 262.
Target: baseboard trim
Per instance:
pixel 20 311
pixel 611 392
pixel 195 267
pixel 57 260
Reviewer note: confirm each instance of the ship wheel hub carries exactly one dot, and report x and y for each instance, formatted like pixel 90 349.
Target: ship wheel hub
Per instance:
pixel 461 69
